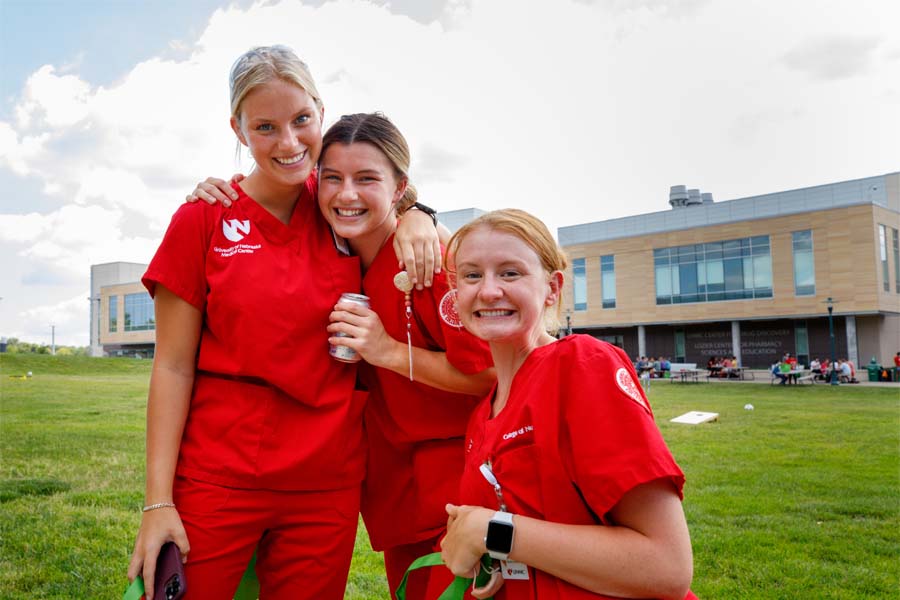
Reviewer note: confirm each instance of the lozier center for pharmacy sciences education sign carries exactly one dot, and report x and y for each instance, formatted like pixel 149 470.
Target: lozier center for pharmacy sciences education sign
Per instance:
pixel 761 346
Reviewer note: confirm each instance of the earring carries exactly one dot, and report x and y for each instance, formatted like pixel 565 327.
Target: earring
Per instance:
pixel 449 309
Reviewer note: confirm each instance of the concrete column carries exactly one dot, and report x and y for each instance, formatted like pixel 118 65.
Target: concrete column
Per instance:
pixel 642 341
pixel 736 341
pixel 852 351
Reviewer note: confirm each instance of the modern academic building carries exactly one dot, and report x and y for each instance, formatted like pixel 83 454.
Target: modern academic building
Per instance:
pixel 750 277
pixel 122 321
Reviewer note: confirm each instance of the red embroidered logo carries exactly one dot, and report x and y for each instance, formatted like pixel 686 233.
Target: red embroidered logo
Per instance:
pixel 626 383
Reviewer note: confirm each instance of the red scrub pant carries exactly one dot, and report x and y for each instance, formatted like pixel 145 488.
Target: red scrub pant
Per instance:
pixel 304 540
pixel 423 584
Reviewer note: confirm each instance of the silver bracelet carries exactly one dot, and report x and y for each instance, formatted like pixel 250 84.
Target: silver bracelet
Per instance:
pixel 158 505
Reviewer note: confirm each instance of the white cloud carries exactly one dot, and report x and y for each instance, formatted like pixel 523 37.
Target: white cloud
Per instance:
pixel 70 318
pixel 52 100
pixel 22 228
pixel 19 155
pixel 833 56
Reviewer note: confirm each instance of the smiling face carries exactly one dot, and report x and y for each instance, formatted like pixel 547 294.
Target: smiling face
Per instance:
pixel 503 289
pixel 282 126
pixel 358 189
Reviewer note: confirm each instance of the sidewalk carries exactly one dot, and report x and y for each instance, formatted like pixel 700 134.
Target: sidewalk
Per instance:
pixel 763 376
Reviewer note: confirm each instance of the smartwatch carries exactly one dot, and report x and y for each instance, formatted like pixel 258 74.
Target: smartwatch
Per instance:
pixel 425 209
pixel 499 538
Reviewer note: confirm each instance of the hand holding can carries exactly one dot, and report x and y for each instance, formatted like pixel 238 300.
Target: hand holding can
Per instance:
pixel 341 352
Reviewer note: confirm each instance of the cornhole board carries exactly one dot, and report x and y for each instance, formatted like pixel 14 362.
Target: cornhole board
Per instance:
pixel 695 417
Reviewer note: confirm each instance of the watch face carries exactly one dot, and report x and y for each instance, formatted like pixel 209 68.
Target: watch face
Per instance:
pixel 499 537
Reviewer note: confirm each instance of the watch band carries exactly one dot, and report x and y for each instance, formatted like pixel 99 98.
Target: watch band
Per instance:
pixel 500 535
pixel 425 209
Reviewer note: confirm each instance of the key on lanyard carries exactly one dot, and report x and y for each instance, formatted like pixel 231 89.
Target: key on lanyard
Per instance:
pixel 489 475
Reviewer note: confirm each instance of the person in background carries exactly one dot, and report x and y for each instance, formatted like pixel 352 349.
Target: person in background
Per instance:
pixel 778 371
pixel 726 365
pixel 665 366
pixel 791 360
pixel 816 367
pixel 567 478
pixel 712 366
pixel 242 299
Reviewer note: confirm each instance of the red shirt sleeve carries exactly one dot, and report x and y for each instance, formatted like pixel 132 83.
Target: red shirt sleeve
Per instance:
pixel 464 351
pixel 609 440
pixel 180 261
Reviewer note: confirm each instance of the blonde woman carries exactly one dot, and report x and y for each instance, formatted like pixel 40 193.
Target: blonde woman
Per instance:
pixel 254 433
pixel 567 480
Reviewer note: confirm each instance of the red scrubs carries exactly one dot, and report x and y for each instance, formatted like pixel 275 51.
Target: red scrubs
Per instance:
pixel 415 432
pixel 274 434
pixel 576 434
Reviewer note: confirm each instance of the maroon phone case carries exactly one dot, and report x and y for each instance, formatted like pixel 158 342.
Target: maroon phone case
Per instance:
pixel 169 582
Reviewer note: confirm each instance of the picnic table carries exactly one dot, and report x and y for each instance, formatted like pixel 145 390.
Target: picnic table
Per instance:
pixel 686 372
pixel 796 376
pixel 741 373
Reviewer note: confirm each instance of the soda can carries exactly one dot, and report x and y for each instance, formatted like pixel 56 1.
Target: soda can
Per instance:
pixel 345 353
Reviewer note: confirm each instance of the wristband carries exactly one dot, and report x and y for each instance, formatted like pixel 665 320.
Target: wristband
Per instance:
pixel 425 209
pixel 150 507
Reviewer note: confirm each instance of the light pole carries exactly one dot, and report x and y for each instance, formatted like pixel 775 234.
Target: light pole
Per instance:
pixel 568 322
pixel 830 303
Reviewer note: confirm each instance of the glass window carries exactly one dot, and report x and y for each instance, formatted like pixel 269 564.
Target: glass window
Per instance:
pixel 801 342
pixel 882 244
pixel 762 274
pixel 615 340
pixel 896 259
pixel 663 285
pixel 804 265
pixel 726 270
pixel 579 284
pixel 113 313
pixel 608 280
pixel 679 346
pixel 139 312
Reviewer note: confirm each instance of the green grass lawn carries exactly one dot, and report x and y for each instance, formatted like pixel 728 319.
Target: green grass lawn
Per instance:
pixel 798 498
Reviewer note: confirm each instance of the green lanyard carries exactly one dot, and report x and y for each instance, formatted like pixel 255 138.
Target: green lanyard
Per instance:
pixel 454 591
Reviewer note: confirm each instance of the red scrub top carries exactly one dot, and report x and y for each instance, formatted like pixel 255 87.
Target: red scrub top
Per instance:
pixel 415 431
pixel 576 434
pixel 270 409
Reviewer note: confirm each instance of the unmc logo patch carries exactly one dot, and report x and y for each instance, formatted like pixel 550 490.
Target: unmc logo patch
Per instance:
pixel 626 383
pixel 235 230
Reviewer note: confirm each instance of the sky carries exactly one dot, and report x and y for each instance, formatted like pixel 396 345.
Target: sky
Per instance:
pixel 576 110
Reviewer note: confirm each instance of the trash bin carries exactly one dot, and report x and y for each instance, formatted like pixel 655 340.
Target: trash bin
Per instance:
pixel 874 371
pixel 885 375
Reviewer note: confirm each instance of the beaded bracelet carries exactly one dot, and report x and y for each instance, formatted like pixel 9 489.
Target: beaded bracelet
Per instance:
pixel 150 507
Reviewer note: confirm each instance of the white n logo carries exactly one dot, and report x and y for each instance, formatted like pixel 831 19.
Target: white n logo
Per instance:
pixel 235 230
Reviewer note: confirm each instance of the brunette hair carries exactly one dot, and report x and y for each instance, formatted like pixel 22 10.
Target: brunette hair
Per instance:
pixel 378 130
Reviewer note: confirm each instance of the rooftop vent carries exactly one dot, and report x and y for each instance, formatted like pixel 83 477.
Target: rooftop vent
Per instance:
pixel 680 197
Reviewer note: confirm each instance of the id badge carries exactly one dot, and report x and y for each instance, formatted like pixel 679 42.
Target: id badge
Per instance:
pixel 511 569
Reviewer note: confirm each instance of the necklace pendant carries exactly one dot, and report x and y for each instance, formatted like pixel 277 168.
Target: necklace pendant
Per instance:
pixel 402 282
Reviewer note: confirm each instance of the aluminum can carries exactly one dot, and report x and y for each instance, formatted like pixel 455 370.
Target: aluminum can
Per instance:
pixel 345 353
